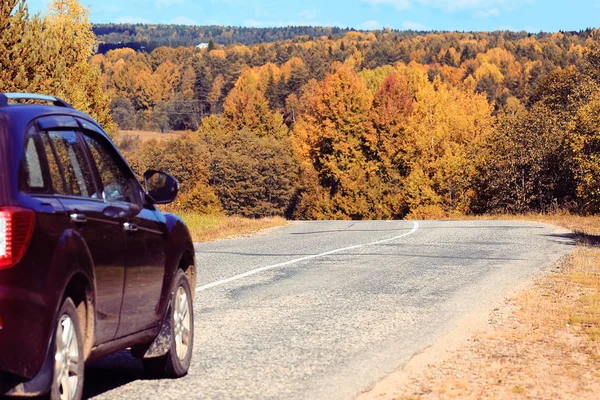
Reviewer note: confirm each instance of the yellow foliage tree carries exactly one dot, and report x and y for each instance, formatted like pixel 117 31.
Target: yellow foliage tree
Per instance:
pixel 337 143
pixel 444 133
pixel 68 33
pixel 246 107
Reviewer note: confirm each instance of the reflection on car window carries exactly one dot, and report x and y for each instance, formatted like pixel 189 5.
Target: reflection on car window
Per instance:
pixel 66 156
pixel 157 181
pixel 58 185
pixel 34 179
pixel 158 186
pixel 117 187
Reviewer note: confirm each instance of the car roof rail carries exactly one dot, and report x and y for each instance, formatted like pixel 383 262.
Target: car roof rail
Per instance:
pixel 5 97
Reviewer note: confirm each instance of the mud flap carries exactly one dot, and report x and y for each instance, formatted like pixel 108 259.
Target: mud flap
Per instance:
pixel 162 344
pixel 41 383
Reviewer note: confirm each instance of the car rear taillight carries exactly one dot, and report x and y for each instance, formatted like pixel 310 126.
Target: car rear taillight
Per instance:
pixel 16 227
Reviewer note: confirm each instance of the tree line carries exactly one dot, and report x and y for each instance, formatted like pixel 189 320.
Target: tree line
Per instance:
pixel 366 125
pixel 148 37
pixel 195 82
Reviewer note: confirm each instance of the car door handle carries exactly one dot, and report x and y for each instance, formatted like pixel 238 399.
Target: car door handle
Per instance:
pixel 78 218
pixel 47 207
pixel 129 227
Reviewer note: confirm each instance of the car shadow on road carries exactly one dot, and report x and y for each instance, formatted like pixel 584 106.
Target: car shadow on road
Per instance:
pixel 112 372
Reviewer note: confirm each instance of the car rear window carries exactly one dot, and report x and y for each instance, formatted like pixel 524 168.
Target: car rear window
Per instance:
pixel 34 177
pixel 4 163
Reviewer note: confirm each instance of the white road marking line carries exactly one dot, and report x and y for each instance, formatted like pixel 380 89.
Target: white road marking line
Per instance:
pixel 297 260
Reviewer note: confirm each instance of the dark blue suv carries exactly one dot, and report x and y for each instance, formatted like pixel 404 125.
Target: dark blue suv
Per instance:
pixel 88 264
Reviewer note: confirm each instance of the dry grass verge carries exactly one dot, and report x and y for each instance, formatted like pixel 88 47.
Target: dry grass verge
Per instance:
pixel 206 228
pixel 543 344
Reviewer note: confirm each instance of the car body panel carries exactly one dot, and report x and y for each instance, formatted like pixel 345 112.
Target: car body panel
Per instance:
pixel 144 273
pixel 106 245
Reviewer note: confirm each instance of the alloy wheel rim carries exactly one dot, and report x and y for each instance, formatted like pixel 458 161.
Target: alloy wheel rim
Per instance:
pixel 182 322
pixel 66 359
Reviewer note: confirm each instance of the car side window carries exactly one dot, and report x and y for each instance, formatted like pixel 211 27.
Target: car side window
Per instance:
pixel 67 159
pixel 33 180
pixel 116 181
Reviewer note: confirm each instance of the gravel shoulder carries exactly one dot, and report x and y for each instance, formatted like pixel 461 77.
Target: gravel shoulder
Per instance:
pixel 534 344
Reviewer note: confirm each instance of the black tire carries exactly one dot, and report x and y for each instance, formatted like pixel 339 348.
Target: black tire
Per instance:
pixel 174 365
pixel 67 382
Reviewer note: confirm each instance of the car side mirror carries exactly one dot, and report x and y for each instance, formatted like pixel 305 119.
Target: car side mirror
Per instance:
pixel 161 188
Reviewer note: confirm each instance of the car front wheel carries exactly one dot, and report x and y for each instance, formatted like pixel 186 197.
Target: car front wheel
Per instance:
pixel 176 362
pixel 68 355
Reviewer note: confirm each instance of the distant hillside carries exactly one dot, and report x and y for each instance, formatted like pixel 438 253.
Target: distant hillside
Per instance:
pixel 149 37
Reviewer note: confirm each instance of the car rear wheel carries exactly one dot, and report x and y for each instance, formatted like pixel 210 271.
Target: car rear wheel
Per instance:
pixel 68 355
pixel 176 362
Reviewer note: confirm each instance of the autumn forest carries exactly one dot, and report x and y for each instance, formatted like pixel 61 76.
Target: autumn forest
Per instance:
pixel 328 123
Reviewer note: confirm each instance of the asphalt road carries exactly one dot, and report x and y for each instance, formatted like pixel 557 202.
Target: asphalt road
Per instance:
pixel 322 310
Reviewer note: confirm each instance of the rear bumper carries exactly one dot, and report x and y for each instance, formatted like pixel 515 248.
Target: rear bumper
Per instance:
pixel 24 336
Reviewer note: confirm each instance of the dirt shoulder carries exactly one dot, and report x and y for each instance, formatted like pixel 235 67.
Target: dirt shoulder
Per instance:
pixel 208 228
pixel 543 343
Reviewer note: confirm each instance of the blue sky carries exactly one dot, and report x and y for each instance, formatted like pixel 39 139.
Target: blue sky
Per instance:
pixel 461 15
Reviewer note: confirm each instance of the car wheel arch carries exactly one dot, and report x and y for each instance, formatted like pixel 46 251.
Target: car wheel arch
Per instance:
pixel 81 291
pixel 179 255
pixel 187 264
pixel 77 264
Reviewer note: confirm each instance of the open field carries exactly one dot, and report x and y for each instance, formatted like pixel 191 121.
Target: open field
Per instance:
pixel 543 343
pixel 147 135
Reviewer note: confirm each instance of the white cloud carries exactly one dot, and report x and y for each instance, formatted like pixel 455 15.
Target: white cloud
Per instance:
pixel 370 25
pixel 450 5
pixel 132 20
pixel 414 26
pixel 167 3
pixel 494 12
pixel 456 5
pixel 399 4
pixel 183 20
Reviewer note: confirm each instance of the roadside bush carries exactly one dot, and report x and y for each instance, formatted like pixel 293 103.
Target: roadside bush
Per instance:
pixel 528 164
pixel 253 176
pixel 200 199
